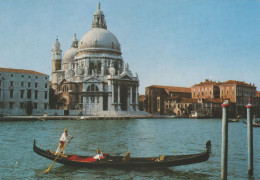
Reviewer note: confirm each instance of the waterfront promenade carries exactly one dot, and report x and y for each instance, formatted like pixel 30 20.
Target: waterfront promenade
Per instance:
pixel 44 118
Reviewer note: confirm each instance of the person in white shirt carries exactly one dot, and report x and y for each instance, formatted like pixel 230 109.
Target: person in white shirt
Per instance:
pixel 63 139
pixel 99 155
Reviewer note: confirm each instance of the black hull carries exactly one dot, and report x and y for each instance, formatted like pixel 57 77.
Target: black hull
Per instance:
pixel 253 125
pixel 133 162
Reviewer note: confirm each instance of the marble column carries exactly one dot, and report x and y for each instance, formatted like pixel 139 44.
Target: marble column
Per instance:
pixel 118 98
pixel 101 103
pixel 109 102
pixel 136 99
pixel 131 95
pixel 84 105
pixel 112 90
pixel 131 99
pixel 113 99
pixel 95 103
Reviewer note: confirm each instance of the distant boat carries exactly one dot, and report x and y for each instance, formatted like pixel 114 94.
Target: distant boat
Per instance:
pixel 108 161
pixel 198 115
pixel 254 124
pixel 234 120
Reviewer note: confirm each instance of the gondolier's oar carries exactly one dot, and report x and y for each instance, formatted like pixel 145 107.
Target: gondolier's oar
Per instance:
pixel 47 170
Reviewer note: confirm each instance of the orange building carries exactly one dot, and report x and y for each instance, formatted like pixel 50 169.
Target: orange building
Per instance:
pixel 238 92
pixel 207 89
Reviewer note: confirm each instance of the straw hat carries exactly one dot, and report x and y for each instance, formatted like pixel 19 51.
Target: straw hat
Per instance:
pixel 66 129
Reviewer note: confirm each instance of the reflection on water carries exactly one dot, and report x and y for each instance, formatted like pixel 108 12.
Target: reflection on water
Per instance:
pixel 144 137
pixel 121 173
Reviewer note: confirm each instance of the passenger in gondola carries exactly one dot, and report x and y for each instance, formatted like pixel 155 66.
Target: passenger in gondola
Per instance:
pixel 99 155
pixel 64 137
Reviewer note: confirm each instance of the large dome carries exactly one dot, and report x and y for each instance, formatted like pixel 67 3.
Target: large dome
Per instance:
pixel 99 38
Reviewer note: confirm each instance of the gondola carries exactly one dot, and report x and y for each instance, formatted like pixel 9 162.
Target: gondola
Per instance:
pixel 126 161
pixel 253 124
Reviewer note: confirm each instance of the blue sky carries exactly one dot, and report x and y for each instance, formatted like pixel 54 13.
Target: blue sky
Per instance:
pixel 167 42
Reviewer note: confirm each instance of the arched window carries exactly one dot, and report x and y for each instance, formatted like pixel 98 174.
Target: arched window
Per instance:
pixel 91 69
pixel 99 68
pixel 92 88
pixel 65 88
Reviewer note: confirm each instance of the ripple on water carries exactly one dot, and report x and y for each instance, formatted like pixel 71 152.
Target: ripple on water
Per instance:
pixel 145 137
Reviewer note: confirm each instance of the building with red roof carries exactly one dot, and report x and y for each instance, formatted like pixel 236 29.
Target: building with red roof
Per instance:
pixel 156 95
pixel 207 89
pixel 238 93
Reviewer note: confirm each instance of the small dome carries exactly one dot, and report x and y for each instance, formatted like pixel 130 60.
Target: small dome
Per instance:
pixel 99 38
pixel 72 52
pixel 56 45
pixel 69 55
pixel 99 12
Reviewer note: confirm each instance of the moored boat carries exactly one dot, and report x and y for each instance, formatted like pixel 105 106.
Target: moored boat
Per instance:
pixel 126 161
pixel 233 120
pixel 254 124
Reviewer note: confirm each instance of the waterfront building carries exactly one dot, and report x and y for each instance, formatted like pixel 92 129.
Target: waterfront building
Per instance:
pixel 177 106
pixel 141 101
pixel 92 75
pixel 238 93
pixel 207 89
pixel 23 92
pixel 207 95
pixel 156 95
pixel 207 107
pixel 257 109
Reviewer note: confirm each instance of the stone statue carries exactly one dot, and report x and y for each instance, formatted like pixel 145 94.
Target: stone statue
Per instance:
pixel 86 67
pixel 112 70
pixel 102 69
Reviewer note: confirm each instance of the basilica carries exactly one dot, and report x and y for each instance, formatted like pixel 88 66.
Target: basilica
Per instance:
pixel 92 75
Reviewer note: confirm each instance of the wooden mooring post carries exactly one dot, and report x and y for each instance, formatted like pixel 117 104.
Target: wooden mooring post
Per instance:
pixel 250 139
pixel 224 150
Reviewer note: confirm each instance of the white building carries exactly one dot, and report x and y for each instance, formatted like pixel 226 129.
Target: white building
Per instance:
pixel 23 92
pixel 92 75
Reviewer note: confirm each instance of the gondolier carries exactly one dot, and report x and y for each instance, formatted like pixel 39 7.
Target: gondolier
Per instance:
pixel 63 139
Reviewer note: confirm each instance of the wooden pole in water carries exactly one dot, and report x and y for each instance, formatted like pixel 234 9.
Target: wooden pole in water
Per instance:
pixel 250 139
pixel 224 151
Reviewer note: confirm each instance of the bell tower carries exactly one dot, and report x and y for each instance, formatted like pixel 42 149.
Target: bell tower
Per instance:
pixel 56 63
pixel 56 56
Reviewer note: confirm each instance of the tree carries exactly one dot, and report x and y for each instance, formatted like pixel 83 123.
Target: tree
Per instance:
pixel 55 100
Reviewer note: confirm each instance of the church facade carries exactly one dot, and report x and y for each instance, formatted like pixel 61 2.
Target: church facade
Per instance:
pixel 92 75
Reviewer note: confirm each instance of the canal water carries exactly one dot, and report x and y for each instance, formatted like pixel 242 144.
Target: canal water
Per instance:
pixel 143 137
